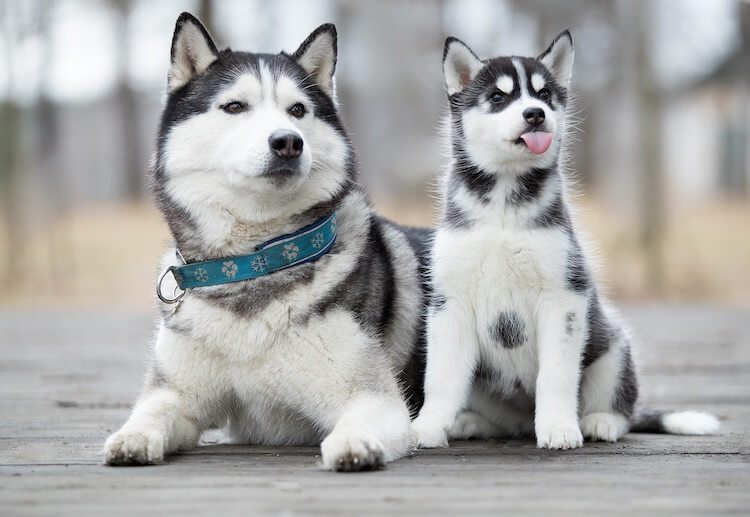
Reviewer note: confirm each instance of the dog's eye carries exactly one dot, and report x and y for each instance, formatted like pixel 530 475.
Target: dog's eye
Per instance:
pixel 297 110
pixel 234 107
pixel 497 97
pixel 544 94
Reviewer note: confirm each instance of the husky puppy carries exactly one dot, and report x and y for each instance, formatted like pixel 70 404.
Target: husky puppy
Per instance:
pixel 251 148
pixel 519 338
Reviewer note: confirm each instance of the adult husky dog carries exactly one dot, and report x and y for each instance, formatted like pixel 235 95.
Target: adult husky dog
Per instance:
pixel 519 337
pixel 250 150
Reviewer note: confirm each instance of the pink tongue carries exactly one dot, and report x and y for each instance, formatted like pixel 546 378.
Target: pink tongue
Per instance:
pixel 537 141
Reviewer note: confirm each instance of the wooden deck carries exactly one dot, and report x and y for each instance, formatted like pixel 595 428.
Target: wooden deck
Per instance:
pixel 66 381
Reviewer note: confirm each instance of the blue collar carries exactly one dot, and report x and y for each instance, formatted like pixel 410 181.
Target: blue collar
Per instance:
pixel 304 245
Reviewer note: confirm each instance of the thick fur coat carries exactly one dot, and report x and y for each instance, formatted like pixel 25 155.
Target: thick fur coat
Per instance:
pixel 520 339
pixel 251 147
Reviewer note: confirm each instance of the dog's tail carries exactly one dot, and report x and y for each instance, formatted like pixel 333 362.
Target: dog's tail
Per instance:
pixel 674 422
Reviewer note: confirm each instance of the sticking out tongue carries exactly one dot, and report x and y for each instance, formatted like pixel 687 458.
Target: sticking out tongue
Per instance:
pixel 537 141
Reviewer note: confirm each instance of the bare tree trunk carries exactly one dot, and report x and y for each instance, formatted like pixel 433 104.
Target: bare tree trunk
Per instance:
pixel 10 144
pixel 11 206
pixel 206 16
pixel 132 159
pixel 652 221
pixel 58 243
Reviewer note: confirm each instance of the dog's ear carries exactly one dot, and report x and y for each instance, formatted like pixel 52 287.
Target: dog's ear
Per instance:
pixel 460 65
pixel 558 58
pixel 317 55
pixel 193 51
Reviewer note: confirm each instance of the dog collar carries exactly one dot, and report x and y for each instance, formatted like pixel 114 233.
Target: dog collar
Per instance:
pixel 304 245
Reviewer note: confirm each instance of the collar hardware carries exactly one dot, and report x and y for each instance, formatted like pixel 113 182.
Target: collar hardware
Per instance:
pixel 304 245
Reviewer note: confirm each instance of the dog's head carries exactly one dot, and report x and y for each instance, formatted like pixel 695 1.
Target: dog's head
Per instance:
pixel 254 135
pixel 508 113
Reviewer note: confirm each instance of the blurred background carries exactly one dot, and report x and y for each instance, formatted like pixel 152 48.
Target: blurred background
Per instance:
pixel 661 162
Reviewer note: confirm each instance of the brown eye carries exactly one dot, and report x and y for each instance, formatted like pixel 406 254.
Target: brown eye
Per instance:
pixel 297 110
pixel 234 107
pixel 544 94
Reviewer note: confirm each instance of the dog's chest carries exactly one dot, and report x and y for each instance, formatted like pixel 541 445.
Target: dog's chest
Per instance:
pixel 501 274
pixel 275 355
pixel 491 266
pixel 242 342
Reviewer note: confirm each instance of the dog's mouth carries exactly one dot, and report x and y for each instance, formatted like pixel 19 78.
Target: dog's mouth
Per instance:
pixel 281 172
pixel 536 141
pixel 282 176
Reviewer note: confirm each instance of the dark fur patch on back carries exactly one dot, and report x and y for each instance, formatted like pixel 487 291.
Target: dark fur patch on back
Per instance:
pixel 627 393
pixel 600 332
pixel 509 329
pixel 411 377
pixel 369 289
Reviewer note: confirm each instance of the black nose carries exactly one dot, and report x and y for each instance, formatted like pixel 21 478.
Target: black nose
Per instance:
pixel 534 116
pixel 286 144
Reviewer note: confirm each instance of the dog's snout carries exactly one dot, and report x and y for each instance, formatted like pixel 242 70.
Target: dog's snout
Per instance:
pixel 285 144
pixel 534 116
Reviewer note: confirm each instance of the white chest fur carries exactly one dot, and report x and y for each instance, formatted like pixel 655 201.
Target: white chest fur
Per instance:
pixel 498 272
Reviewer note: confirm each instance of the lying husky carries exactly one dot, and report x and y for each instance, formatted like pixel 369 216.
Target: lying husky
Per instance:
pixel 518 335
pixel 297 314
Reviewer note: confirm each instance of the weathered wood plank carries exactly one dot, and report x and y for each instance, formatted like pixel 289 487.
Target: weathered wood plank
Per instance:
pixel 67 379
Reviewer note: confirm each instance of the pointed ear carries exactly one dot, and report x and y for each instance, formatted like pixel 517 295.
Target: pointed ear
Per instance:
pixel 558 58
pixel 460 65
pixel 317 55
pixel 193 51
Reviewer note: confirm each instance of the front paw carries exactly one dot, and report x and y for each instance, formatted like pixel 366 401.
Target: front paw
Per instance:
pixel 132 447
pixel 562 435
pixel 425 435
pixel 344 453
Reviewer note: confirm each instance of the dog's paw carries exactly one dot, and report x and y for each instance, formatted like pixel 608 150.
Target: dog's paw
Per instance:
pixel 561 435
pixel 603 427
pixel 425 435
pixel 469 425
pixel 131 447
pixel 346 453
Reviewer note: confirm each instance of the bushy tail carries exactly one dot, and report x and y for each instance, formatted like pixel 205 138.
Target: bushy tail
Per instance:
pixel 674 422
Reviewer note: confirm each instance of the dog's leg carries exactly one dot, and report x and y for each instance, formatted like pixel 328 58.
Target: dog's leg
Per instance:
pixel 165 418
pixel 561 320
pixel 157 426
pixel 452 354
pixel 601 385
pixel 372 430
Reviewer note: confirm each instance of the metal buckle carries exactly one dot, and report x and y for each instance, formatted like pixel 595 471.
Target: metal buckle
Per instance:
pixel 175 296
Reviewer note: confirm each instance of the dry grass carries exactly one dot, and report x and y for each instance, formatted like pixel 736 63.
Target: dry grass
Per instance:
pixel 108 254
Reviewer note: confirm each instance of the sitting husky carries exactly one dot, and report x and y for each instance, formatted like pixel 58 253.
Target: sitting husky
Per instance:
pixel 299 311
pixel 519 338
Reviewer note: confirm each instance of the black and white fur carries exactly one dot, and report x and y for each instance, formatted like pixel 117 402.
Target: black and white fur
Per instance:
pixel 520 340
pixel 322 352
